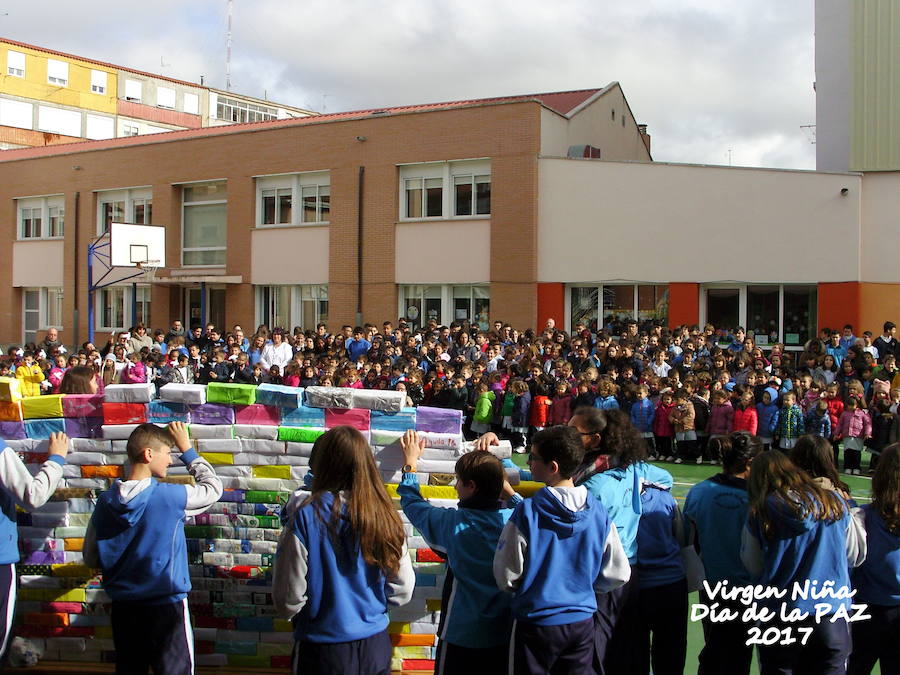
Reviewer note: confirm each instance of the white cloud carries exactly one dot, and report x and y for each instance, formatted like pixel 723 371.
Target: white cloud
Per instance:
pixel 704 76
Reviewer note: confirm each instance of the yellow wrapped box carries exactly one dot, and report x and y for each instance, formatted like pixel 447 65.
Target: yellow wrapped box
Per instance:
pixel 42 407
pixel 272 471
pixel 218 457
pixel 9 389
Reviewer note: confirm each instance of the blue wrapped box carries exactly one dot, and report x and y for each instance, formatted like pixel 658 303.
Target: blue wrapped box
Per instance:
pixel 393 421
pixel 163 412
pixel 42 429
pixel 280 395
pixel 304 416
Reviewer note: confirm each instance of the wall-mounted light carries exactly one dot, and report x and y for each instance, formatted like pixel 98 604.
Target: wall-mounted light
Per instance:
pixel 845 192
pixel 76 168
pixel 361 139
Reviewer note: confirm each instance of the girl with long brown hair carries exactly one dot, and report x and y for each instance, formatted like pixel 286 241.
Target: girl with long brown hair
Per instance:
pixel 877 580
pixel 341 561
pixel 800 535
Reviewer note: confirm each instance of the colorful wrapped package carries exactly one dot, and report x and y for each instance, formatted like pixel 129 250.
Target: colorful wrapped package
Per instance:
pixel 84 427
pixel 304 416
pixel 11 411
pixel 439 420
pixel 82 405
pixel 164 412
pixel 129 393
pixel 230 393
pixel 279 395
pixel 43 428
pixel 257 414
pixel 385 400
pixel 299 434
pixel 191 394
pixel 42 407
pixel 12 431
pixel 358 418
pixel 124 413
pixel 10 389
pixel 403 420
pixel 211 413
pixel 329 397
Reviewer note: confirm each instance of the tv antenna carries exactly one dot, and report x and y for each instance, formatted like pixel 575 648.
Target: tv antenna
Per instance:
pixel 228 47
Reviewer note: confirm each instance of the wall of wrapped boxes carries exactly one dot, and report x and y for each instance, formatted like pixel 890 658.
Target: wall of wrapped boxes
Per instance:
pixel 259 440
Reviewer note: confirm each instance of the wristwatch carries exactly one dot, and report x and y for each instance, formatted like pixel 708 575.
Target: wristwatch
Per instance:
pixel 409 468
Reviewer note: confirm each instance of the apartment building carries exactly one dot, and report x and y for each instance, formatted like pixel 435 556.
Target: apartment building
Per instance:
pixel 49 97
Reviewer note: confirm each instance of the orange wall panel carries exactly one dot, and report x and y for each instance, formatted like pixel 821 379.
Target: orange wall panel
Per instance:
pixel 551 299
pixel 684 304
pixel 877 303
pixel 839 304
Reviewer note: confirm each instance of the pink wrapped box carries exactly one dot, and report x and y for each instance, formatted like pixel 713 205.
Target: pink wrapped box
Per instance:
pixel 82 405
pixel 267 415
pixel 358 418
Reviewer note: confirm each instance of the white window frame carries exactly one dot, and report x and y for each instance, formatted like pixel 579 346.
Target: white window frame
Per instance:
pixel 296 183
pixel 185 205
pixel 163 97
pixel 130 197
pixel 315 293
pixel 99 80
pixel 13 63
pixel 130 130
pixel 600 287
pixel 446 172
pixel 50 295
pixel 228 108
pixel 45 206
pixel 61 70
pixel 129 96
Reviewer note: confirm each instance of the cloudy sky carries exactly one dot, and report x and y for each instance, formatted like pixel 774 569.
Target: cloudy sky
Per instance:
pixel 710 78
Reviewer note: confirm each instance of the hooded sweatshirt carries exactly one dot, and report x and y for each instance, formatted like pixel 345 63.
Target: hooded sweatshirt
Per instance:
pixel 802 549
pixel 557 550
pixel 136 534
pixel 660 537
pixel 877 580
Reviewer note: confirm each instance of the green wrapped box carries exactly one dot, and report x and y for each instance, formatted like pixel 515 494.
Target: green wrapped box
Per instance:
pixel 234 394
pixel 266 497
pixel 299 434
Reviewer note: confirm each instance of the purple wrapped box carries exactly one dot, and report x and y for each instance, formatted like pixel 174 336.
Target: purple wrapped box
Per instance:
pixel 232 496
pixel 212 413
pixel 439 420
pixel 84 427
pixel 44 558
pixel 12 431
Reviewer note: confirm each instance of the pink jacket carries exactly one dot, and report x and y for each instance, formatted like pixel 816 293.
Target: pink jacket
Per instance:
pixel 855 424
pixel 134 373
pixel 721 419
pixel 661 424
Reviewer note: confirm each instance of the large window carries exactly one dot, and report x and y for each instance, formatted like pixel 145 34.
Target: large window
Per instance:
pixel 124 206
pixel 15 63
pixel 458 189
pixel 290 306
pixel 114 305
pixel 57 72
pixel 770 312
pixel 42 308
pixel 234 110
pixel 278 197
pixel 204 224
pixel 609 306
pixel 41 217
pixel 445 304
pixel 799 314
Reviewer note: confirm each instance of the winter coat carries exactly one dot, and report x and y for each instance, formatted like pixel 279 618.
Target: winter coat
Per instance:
pixel 745 419
pixel 662 426
pixel 560 410
pixel 540 411
pixel 721 419
pixel 854 424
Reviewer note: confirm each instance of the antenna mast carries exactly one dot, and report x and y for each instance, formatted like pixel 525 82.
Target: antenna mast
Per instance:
pixel 228 48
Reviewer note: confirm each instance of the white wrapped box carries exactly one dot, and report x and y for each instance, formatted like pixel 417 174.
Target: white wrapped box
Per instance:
pixel 385 400
pixel 210 430
pixel 262 447
pixel 68 471
pixel 118 432
pixel 255 431
pixel 292 460
pixel 299 449
pixel 252 459
pixel 232 471
pixel 91 445
pixel 231 445
pixel 86 458
pixel 328 397
pixel 299 472
pixel 129 393
pixel 23 445
pixel 192 394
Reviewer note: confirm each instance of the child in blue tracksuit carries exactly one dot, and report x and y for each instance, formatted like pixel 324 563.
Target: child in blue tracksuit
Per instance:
pixel 662 585
pixel 642 414
pixel 766 410
pixel 341 561
pixel 717 511
pixel 877 580
pixel 20 488
pixel 558 550
pixel 798 532
pixel 477 623
pixel 136 537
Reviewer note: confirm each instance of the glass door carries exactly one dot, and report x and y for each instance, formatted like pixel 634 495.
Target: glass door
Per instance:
pixel 193 307
pixel 724 308
pixel 32 318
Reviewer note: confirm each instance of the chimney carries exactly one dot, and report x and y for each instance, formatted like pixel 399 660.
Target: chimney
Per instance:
pixel 642 130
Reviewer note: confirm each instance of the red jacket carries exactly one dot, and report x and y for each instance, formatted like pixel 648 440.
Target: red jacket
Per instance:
pixel 745 419
pixel 835 408
pixel 560 410
pixel 661 424
pixel 540 411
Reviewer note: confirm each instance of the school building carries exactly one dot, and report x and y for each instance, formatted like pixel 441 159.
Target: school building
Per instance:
pixel 517 208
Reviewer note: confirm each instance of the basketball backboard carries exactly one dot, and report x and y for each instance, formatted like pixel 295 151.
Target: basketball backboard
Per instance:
pixel 133 244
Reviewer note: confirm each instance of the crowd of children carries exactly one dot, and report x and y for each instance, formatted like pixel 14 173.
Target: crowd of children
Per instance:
pixel 590 570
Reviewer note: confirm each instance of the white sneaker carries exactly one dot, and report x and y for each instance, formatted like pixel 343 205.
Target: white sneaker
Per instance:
pixel 519 450
pixel 699 460
pixel 670 458
pixel 679 460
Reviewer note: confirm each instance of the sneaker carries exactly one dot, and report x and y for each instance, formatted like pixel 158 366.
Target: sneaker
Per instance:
pixel 699 460
pixel 856 472
pixel 519 450
pixel 670 458
pixel 679 460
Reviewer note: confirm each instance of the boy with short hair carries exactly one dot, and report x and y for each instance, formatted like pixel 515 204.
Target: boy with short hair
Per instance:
pixel 557 551
pixel 136 537
pixel 476 619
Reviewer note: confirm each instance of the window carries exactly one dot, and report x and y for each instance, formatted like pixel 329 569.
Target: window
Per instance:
pixel 289 306
pixel 98 82
pixel 762 313
pixel 609 306
pixel 192 104
pixel 15 63
pixel 204 223
pixel 129 130
pixel 124 206
pixel 57 72
pixel 445 304
pixel 445 189
pixel 799 314
pixel 771 312
pixel 142 305
pixel 234 110
pixel 42 308
pixel 133 90
pixel 52 300
pixel 42 217
pixel 277 195
pixel 115 304
pixel 165 97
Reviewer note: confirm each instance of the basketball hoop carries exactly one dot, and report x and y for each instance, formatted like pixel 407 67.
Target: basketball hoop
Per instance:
pixel 149 267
